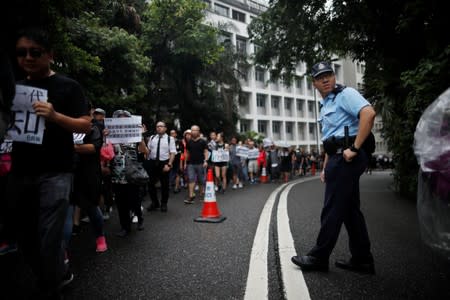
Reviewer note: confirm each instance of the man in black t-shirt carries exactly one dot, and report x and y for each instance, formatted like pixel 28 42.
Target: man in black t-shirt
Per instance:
pixel 197 162
pixel 41 174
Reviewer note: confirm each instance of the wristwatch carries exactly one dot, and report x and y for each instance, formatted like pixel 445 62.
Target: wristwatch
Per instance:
pixel 354 149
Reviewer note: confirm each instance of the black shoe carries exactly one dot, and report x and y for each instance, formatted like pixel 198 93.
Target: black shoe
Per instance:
pixel 76 229
pixel 350 265
pixel 152 207
pixel 191 200
pixel 176 191
pixel 140 225
pixel 310 263
pixel 66 280
pixel 123 233
pixel 163 207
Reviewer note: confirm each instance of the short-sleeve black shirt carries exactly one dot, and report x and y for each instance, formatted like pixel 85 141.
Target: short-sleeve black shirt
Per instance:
pixel 55 154
pixel 196 151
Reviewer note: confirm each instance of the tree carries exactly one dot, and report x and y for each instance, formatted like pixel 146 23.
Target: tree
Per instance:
pixel 191 70
pixel 406 57
pixel 89 46
pixel 156 58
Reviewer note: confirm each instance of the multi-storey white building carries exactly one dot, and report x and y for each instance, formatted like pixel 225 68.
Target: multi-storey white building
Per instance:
pixel 269 107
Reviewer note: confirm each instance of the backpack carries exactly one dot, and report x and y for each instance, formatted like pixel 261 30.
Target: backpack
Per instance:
pixel 369 144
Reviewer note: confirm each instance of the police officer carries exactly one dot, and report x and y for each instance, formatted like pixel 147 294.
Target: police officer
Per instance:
pixel 347 119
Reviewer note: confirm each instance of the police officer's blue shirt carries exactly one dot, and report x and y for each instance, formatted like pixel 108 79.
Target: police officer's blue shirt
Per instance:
pixel 340 112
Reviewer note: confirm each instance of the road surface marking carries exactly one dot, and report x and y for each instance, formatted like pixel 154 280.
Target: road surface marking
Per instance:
pixel 257 279
pixel 293 281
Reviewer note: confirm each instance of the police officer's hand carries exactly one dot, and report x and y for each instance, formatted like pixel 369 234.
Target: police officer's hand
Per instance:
pixel 349 155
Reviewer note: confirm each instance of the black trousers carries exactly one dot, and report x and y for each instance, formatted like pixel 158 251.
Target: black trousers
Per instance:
pixel 127 201
pixel 40 208
pixel 342 206
pixel 156 173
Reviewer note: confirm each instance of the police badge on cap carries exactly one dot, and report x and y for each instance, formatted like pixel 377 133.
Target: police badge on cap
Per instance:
pixel 320 68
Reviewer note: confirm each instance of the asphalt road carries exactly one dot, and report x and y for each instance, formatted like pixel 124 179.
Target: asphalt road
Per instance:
pixel 405 267
pixel 177 258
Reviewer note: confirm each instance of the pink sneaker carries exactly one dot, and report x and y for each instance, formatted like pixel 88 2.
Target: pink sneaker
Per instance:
pixel 101 244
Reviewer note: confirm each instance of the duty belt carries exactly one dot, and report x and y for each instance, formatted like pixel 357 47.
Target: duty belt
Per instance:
pixel 335 145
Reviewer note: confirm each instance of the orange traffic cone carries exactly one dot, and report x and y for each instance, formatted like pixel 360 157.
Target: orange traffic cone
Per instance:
pixel 210 212
pixel 263 178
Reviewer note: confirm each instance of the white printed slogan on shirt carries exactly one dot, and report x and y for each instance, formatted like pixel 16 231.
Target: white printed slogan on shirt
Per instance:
pixel 25 125
pixel 124 130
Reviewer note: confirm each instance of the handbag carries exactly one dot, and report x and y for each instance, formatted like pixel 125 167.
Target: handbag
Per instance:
pixel 107 152
pixel 5 163
pixel 135 172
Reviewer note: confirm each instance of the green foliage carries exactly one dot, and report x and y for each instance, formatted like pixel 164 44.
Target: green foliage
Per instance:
pixel 401 43
pixel 192 74
pixel 118 78
pixel 157 58
pixel 255 136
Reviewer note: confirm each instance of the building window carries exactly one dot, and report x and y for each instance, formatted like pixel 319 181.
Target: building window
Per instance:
pixel 337 71
pixel 289 128
pixel 301 131
pixel 299 86
pixel 309 87
pixel 224 38
pixel 312 131
pixel 287 103
pixel 243 99
pixel 242 72
pixel 241 45
pixel 300 107
pixel 275 102
pixel 276 127
pixel 208 4
pixel 256 48
pixel 237 15
pixel 259 75
pixel 311 109
pixel 262 126
pixel 221 10
pixel 261 100
pixel 245 126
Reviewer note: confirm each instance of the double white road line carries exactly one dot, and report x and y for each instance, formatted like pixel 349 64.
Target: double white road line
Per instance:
pixel 292 278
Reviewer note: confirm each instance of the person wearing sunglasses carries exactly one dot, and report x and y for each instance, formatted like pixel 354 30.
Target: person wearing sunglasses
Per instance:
pixel 41 175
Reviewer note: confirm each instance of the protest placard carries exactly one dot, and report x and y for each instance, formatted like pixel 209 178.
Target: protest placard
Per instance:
pixel 25 125
pixel 253 153
pixel 220 155
pixel 242 151
pixel 124 130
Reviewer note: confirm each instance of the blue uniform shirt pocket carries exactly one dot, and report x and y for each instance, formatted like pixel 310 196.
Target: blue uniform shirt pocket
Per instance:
pixel 328 119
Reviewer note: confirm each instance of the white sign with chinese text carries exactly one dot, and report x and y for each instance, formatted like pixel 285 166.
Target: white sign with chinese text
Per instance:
pixel 124 130
pixel 253 153
pixel 220 155
pixel 25 125
pixel 242 151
